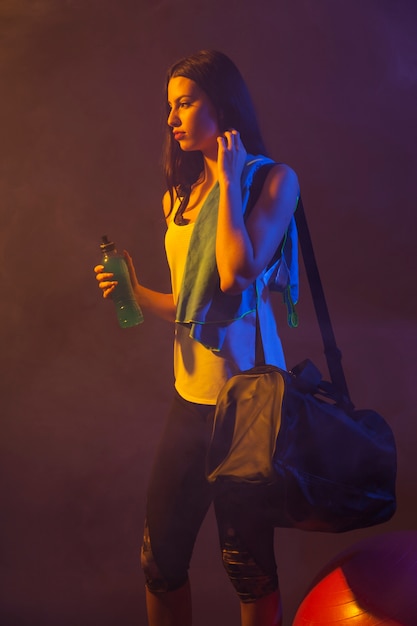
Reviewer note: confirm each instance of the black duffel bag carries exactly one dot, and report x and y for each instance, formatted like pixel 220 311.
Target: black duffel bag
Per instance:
pixel 296 443
pixel 287 443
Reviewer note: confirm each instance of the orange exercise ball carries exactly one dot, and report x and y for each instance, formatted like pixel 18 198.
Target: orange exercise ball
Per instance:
pixel 372 583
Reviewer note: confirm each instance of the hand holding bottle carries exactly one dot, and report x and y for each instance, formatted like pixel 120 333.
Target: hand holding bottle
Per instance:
pixel 115 277
pixel 105 281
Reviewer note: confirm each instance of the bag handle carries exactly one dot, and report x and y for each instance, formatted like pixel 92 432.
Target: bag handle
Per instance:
pixel 332 353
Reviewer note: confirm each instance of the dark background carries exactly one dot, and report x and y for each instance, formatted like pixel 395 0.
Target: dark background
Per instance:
pixel 82 401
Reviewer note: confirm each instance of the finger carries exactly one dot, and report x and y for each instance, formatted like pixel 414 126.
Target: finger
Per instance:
pixel 127 257
pixel 107 288
pixel 236 136
pixel 105 284
pixel 101 277
pixel 107 292
pixel 130 267
pixel 233 139
pixel 236 139
pixel 98 268
pixel 222 142
pixel 228 135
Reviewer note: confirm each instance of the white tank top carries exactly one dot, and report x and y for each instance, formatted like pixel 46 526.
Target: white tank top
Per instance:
pixel 200 373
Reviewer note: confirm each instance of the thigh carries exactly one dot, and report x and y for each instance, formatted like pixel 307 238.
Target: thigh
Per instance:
pixel 179 494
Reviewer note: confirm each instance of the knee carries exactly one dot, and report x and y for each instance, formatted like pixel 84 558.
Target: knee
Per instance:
pixel 153 578
pixel 250 580
pixel 156 581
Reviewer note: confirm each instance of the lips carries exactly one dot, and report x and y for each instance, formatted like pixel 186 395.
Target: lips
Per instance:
pixel 178 135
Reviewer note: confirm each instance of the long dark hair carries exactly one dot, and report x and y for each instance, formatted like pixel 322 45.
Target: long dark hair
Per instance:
pixel 221 80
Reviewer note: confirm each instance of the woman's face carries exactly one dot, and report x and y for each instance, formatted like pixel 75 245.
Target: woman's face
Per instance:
pixel 192 117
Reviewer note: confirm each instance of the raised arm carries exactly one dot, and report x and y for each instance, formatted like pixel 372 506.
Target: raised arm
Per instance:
pixel 244 249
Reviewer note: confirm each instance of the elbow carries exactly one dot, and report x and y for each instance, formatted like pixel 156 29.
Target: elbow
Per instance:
pixel 234 285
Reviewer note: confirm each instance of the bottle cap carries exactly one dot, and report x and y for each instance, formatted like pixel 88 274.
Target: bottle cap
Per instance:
pixel 106 245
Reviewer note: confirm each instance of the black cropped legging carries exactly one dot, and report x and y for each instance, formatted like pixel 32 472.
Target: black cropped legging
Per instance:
pixel 178 499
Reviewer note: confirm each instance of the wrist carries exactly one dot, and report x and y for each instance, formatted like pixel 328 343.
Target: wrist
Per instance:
pixel 229 185
pixel 138 292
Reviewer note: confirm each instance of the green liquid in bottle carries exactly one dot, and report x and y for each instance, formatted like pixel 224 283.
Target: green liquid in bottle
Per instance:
pixel 127 309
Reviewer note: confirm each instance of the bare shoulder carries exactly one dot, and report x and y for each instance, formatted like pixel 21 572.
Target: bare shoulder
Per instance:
pixel 282 178
pixel 279 193
pixel 166 204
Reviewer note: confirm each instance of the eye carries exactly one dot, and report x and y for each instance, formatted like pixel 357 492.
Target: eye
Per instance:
pixel 185 105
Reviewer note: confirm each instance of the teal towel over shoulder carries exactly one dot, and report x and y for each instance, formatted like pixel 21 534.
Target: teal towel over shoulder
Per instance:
pixel 202 305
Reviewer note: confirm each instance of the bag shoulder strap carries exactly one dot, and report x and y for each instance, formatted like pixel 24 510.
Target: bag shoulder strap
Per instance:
pixel 332 353
pixel 258 181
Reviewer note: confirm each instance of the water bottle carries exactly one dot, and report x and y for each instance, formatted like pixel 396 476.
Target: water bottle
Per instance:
pixel 127 309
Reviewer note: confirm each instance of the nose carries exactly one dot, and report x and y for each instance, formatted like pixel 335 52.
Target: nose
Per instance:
pixel 173 119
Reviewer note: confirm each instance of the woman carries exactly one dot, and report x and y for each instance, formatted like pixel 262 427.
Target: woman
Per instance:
pixel 220 264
